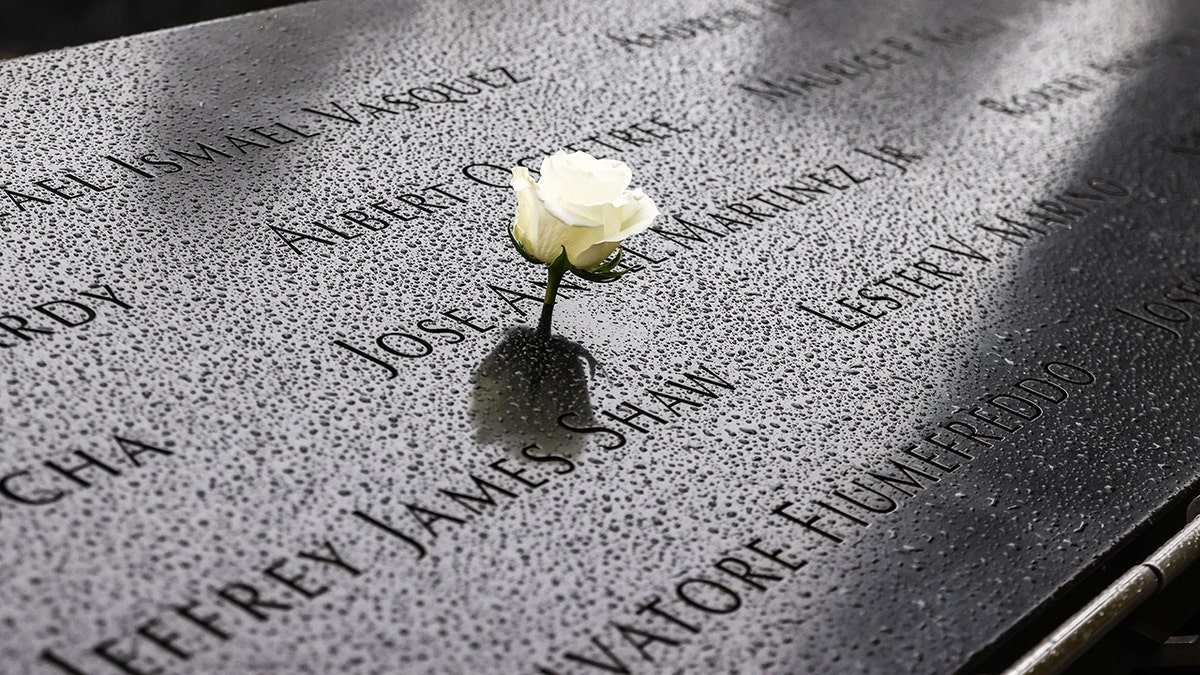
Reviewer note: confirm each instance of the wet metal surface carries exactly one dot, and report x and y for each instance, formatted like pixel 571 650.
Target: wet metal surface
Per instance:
pixel 910 352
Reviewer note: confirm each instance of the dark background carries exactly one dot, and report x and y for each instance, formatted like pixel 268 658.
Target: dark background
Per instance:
pixel 29 26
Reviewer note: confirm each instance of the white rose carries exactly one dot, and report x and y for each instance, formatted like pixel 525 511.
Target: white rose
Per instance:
pixel 581 204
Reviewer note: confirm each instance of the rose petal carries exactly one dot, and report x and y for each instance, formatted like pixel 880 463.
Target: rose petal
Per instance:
pixel 629 217
pixel 541 234
pixel 576 215
pixel 579 178
pixel 580 204
pixel 591 256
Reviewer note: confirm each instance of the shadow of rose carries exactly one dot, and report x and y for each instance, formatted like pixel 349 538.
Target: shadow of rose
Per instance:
pixel 525 385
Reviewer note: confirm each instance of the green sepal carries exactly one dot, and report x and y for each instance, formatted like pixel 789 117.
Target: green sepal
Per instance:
pixel 600 278
pixel 561 263
pixel 611 264
pixel 604 272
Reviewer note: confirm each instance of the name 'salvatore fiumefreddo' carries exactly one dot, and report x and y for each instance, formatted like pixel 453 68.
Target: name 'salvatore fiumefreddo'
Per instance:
pixel 574 218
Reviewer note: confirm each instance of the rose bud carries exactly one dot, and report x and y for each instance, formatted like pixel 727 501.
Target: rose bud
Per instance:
pixel 580 204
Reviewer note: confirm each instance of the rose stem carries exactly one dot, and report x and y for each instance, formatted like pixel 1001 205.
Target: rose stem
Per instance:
pixel 556 273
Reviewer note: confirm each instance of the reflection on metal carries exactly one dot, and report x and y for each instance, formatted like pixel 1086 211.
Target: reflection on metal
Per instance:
pixel 1086 627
